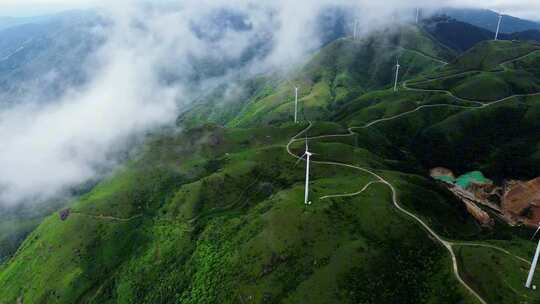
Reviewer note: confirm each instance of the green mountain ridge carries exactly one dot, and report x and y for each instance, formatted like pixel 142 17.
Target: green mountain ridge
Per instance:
pixel 215 213
pixel 342 70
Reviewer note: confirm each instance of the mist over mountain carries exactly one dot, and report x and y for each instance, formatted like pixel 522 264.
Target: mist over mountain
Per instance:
pixel 7 22
pixel 42 60
pixel 51 64
pixel 134 61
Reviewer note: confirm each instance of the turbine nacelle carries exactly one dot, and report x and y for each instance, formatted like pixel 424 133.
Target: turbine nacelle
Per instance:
pixel 303 157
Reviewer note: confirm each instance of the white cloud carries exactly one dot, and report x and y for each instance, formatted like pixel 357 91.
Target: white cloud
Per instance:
pixel 48 148
pixel 520 8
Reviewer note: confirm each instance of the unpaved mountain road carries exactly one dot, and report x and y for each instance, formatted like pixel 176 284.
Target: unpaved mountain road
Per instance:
pixel 379 179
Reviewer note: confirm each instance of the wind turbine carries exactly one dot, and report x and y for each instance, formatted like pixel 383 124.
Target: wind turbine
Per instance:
pixel 534 262
pixel 295 104
pixel 308 155
pixel 417 14
pixel 397 75
pixel 356 26
pixel 498 27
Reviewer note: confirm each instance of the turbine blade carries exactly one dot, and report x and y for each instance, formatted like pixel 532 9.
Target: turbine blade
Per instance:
pixel 299 159
pixel 536 231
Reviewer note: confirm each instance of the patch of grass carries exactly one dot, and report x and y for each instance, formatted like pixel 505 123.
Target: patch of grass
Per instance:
pixel 496 275
pixel 488 55
pixel 486 86
pixel 500 140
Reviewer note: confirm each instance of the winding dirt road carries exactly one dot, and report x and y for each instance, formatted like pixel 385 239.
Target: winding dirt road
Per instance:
pixel 350 194
pixel 379 179
pixel 107 217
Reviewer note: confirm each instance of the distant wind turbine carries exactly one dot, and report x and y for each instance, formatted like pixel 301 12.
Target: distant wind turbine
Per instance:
pixel 417 14
pixel 308 155
pixel 295 104
pixel 498 27
pixel 534 262
pixel 397 75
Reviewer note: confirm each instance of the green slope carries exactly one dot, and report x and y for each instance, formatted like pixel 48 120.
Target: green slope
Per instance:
pixel 501 141
pixel 488 55
pixel 194 223
pixel 490 71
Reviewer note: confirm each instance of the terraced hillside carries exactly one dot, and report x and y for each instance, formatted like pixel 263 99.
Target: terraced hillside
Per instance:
pixel 215 213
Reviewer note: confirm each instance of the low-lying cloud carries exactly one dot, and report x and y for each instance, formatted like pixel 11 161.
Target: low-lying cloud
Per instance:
pixel 142 76
pixel 138 80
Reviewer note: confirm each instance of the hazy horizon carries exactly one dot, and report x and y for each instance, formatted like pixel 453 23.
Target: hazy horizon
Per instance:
pixel 35 8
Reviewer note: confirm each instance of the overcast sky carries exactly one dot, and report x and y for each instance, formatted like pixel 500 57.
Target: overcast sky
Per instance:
pixel 529 9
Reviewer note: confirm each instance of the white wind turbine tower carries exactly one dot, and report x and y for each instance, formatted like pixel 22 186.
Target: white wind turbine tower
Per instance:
pixel 356 28
pixel 397 75
pixel 534 262
pixel 498 27
pixel 308 155
pixel 295 104
pixel 417 14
